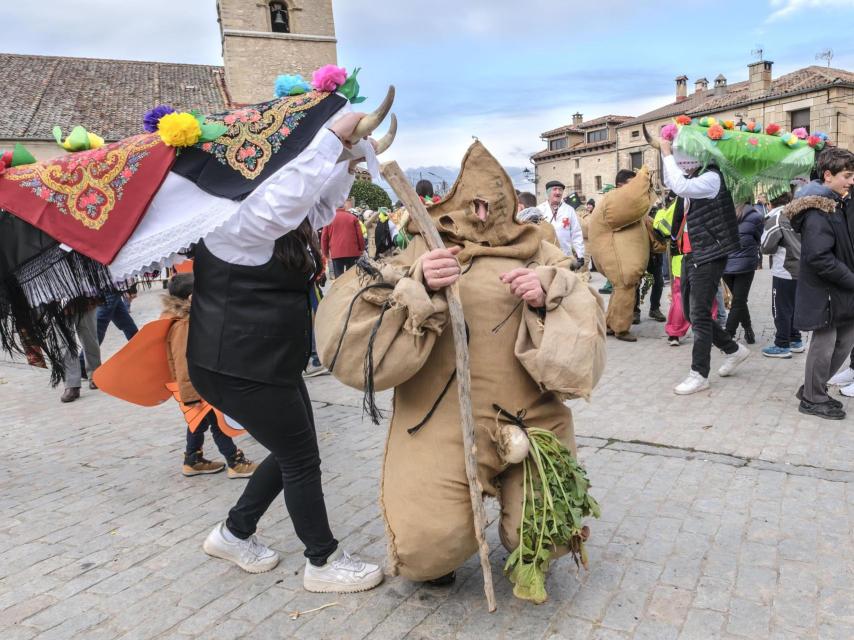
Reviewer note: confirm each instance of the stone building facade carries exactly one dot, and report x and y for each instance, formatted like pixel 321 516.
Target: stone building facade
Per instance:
pixel 818 98
pixel 581 155
pixel 260 40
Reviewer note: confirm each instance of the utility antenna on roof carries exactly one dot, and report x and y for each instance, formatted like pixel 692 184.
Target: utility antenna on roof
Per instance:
pixel 758 52
pixel 827 54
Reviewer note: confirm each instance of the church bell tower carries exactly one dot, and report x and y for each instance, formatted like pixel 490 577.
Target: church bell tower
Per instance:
pixel 262 39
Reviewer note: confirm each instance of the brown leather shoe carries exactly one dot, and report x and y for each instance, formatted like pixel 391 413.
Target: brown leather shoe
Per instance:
pixel 625 336
pixel 70 395
pixel 92 384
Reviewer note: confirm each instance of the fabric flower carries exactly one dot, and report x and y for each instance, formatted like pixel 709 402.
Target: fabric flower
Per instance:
pixel 729 124
pixel 179 129
pixel 668 132
pixel 815 142
pixel 152 117
pixel 800 132
pixel 328 77
pixel 291 86
pixel 791 139
pixel 715 132
pixel 683 120
pixel 753 140
pixel 772 129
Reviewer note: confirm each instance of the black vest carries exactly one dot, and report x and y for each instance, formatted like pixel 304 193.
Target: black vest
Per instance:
pixel 249 322
pixel 712 225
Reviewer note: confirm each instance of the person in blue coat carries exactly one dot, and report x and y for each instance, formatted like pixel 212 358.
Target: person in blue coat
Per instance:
pixel 740 268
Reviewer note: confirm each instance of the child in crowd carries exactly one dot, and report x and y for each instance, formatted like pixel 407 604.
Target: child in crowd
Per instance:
pixel 177 305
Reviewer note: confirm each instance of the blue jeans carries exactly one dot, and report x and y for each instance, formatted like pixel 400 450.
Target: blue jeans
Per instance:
pixel 115 310
pixel 196 440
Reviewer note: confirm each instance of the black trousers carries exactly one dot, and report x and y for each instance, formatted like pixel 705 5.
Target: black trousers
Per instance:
pixel 280 418
pixel 699 286
pixel 739 285
pixel 783 309
pixel 340 265
pixel 655 266
pixel 196 439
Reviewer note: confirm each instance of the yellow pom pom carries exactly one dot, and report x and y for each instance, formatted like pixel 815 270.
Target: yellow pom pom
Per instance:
pixel 179 129
pixel 95 141
pixel 712 121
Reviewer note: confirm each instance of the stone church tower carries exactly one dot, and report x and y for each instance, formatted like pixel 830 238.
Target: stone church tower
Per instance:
pixel 262 39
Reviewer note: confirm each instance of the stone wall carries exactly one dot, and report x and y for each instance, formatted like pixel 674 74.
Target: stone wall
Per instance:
pixel 588 166
pixel 254 55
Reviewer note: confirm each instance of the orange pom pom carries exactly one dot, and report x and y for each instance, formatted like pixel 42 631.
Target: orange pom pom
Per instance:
pixel 716 132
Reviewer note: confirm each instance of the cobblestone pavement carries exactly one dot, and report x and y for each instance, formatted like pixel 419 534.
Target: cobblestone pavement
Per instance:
pixel 725 515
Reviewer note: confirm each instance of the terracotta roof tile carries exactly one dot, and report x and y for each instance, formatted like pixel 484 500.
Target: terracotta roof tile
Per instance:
pixel 108 97
pixel 737 94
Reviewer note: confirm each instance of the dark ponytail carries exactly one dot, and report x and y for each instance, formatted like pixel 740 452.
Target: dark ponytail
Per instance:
pixel 299 250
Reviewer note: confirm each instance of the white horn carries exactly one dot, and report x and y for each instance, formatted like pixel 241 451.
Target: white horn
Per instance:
pixel 371 121
pixel 385 142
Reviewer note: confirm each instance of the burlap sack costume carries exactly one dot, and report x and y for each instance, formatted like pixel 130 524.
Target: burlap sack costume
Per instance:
pixel 622 255
pixel 386 330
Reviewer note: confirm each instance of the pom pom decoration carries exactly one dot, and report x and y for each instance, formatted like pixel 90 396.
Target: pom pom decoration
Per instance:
pixel 179 129
pixel 772 129
pixel 152 117
pixel 328 78
pixel 790 139
pixel 668 132
pixel 800 132
pixel 287 85
pixel 815 142
pixel 78 140
pixel 683 120
pixel 715 132
pixel 708 121
pixel 729 124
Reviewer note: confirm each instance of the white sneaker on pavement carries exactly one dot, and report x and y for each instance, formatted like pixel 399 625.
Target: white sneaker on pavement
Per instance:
pixel 843 378
pixel 732 360
pixel 848 391
pixel 250 555
pixel 342 573
pixel 692 384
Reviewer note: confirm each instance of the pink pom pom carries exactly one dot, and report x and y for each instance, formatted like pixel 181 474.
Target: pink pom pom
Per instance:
pixel 668 132
pixel 328 77
pixel 801 133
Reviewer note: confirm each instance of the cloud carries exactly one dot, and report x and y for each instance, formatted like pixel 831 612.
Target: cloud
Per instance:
pixel 787 8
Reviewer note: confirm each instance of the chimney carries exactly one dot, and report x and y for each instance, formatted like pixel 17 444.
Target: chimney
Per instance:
pixel 681 88
pixel 577 119
pixel 760 77
pixel 700 85
pixel 720 85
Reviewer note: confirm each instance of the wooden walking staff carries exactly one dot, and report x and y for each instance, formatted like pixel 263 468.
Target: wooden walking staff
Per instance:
pixel 418 212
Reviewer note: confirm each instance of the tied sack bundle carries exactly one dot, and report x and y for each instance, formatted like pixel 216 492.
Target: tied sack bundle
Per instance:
pixel 627 204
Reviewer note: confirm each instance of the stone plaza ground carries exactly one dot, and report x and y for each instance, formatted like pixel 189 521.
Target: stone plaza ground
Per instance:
pixel 726 514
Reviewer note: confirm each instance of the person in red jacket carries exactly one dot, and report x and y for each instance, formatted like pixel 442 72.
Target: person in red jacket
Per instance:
pixel 342 240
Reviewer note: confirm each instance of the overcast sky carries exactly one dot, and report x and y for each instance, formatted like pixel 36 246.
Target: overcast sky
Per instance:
pixel 501 70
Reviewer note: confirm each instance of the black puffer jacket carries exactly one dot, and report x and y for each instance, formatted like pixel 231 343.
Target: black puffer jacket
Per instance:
pixel 712 224
pixel 750 227
pixel 825 295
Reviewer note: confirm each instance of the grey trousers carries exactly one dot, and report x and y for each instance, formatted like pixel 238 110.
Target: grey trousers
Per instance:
pixel 829 349
pixel 85 325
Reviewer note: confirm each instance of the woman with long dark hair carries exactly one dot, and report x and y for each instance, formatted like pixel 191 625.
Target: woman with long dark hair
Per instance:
pixel 740 269
pixel 250 339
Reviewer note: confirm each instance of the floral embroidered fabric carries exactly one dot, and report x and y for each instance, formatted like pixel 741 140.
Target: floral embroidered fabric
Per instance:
pixel 86 185
pixel 256 133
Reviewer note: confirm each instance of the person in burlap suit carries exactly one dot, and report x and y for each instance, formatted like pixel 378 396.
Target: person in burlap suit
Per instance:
pixel 536 338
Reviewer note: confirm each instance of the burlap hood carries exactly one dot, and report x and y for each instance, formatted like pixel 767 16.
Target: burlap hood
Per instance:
pixel 482 178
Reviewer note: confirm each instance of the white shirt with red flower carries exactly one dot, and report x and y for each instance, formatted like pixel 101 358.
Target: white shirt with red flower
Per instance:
pixel 567 227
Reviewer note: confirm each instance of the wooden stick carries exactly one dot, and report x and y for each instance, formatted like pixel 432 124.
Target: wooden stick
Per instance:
pixel 418 212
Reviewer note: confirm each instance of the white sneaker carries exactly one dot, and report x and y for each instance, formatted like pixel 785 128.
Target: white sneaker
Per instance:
pixel 732 360
pixel 692 384
pixel 342 573
pixel 250 555
pixel 848 391
pixel 843 378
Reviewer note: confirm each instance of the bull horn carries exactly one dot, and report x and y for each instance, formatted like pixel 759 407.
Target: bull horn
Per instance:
pixel 385 142
pixel 649 140
pixel 371 121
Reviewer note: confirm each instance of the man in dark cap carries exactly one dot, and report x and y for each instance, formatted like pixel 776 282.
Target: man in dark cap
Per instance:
pixel 564 220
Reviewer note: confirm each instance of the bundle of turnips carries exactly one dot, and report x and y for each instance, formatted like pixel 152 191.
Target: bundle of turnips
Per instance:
pixel 555 502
